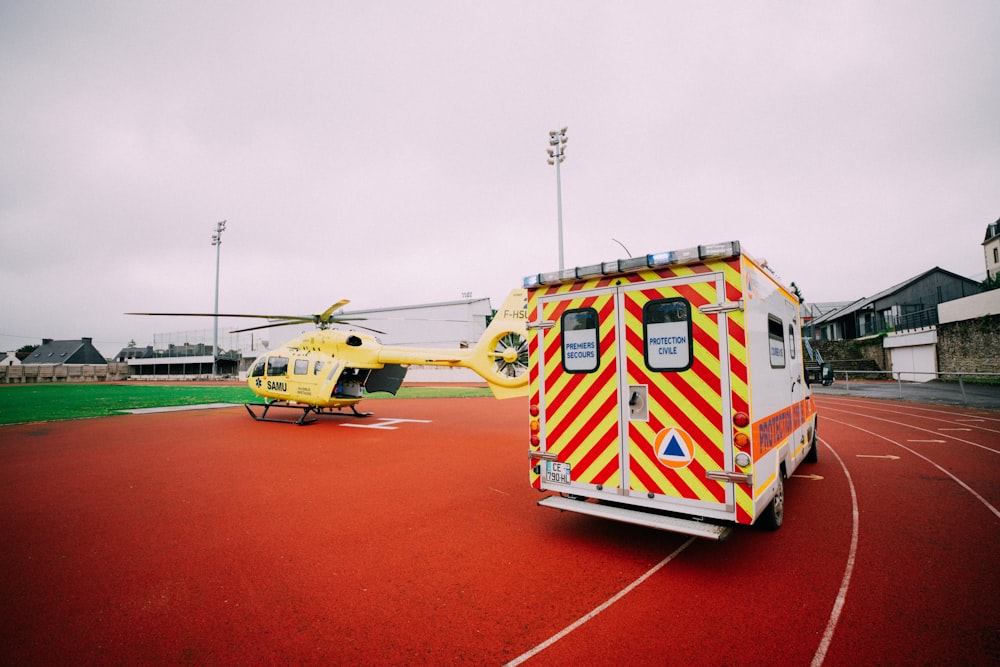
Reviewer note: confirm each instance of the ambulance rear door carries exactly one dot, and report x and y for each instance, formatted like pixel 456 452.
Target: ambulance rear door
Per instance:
pixel 676 377
pixel 579 395
pixel 633 390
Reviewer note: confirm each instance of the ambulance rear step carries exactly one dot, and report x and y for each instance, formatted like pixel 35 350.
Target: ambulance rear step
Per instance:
pixel 709 531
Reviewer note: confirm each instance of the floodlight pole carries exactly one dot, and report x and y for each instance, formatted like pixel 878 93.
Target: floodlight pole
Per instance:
pixel 557 153
pixel 217 242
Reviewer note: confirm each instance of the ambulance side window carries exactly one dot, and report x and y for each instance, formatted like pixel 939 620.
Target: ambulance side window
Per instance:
pixel 666 325
pixel 791 340
pixel 579 340
pixel 301 366
pixel 776 341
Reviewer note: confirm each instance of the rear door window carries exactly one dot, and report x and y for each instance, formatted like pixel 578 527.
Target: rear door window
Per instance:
pixel 666 325
pixel 579 340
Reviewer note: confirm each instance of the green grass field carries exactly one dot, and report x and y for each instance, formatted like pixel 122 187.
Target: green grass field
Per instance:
pixel 52 402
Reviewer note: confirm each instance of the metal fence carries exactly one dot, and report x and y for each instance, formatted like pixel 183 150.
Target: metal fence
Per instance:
pixel 982 389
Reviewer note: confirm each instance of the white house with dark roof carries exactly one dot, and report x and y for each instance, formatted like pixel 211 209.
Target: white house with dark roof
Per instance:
pixel 66 352
pixel 991 250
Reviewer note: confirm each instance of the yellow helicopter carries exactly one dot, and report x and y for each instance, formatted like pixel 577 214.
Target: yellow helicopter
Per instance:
pixel 330 369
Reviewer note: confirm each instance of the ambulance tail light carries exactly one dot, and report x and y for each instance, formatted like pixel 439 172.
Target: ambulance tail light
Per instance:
pixel 740 439
pixel 535 425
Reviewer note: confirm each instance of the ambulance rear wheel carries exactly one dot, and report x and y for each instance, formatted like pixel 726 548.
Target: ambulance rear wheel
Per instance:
pixel 813 455
pixel 774 513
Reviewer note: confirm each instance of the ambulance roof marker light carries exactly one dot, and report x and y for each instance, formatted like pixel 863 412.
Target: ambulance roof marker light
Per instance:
pixel 719 250
pixel 590 271
pixel 633 263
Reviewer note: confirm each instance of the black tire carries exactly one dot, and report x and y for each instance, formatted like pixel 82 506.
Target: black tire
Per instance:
pixel 813 455
pixel 774 514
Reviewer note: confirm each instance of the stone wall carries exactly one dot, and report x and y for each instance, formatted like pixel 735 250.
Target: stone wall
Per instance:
pixel 861 354
pixel 33 373
pixel 967 346
pixel 970 346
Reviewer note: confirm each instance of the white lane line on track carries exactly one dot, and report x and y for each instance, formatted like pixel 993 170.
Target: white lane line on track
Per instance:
pixel 911 410
pixel 597 610
pixel 917 428
pixel 962 484
pixel 845 582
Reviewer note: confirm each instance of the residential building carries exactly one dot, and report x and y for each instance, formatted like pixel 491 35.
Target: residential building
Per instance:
pixel 909 305
pixel 991 250
pixel 66 352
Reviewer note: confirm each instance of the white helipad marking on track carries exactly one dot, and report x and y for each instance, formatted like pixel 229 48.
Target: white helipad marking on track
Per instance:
pixel 845 582
pixel 387 424
pixel 597 610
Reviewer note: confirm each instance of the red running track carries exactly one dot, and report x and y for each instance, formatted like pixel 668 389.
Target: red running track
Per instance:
pixel 206 538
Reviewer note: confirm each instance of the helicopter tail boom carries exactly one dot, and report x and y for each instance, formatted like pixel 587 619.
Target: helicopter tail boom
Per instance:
pixel 500 357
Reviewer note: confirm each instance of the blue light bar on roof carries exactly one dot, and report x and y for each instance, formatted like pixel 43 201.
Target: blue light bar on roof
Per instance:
pixel 685 256
pixel 655 260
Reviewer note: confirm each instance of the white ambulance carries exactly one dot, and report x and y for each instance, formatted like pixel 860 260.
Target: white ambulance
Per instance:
pixel 668 390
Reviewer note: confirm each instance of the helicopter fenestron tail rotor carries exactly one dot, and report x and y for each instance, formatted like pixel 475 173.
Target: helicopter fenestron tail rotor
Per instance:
pixel 510 354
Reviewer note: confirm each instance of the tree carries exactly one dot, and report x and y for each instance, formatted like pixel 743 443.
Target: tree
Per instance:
pixel 798 293
pixel 24 351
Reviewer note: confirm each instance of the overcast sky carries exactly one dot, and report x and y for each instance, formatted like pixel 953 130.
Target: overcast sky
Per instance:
pixel 394 153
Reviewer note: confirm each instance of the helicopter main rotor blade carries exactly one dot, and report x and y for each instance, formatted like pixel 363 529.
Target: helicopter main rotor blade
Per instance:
pixel 332 309
pixel 307 318
pixel 272 325
pixel 300 321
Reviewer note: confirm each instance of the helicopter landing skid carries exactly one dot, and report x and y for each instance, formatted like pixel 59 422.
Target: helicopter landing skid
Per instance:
pixel 301 421
pixel 330 411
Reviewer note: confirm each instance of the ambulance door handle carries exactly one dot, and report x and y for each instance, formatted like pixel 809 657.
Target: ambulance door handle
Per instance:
pixel 542 325
pixel 638 403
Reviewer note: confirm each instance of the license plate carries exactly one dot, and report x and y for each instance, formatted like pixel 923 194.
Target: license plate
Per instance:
pixel 557 472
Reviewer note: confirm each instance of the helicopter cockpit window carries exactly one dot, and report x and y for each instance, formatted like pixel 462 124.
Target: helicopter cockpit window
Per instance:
pixel 301 366
pixel 277 366
pixel 258 368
